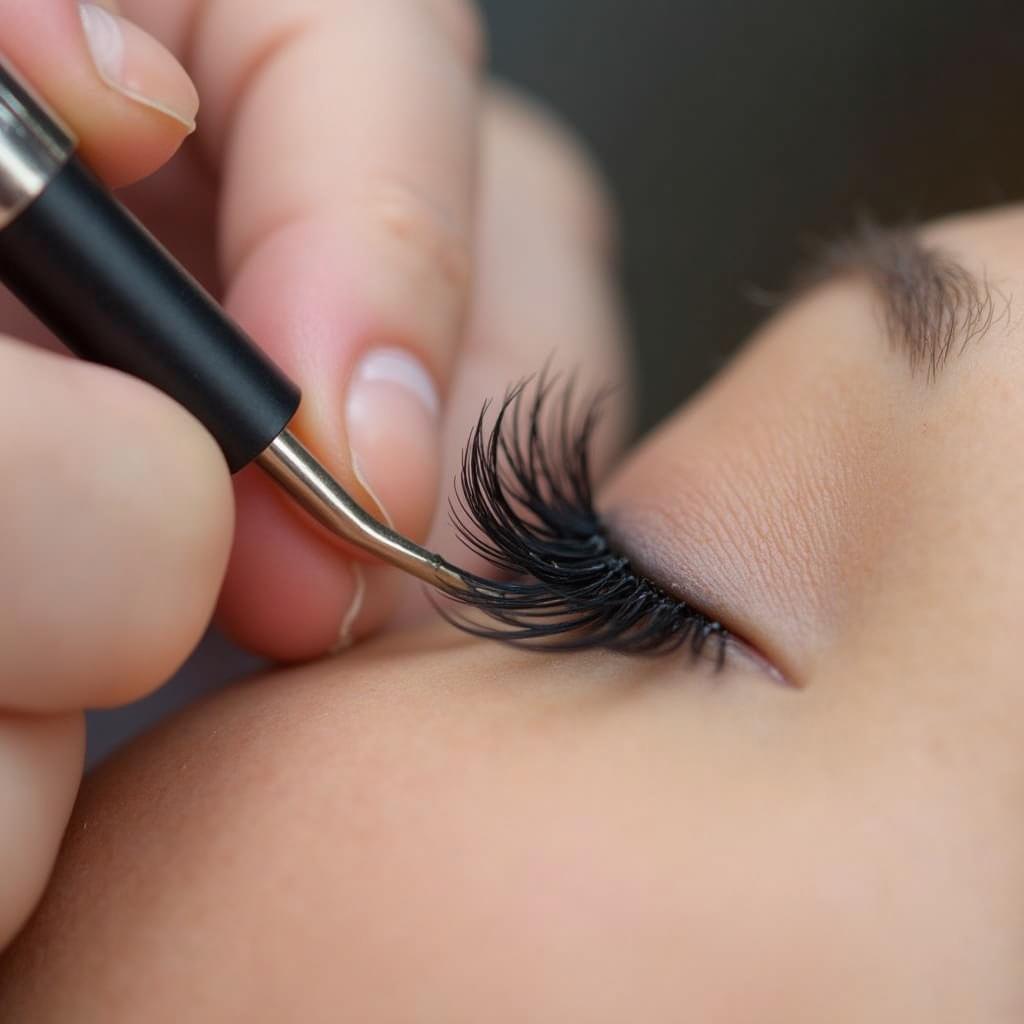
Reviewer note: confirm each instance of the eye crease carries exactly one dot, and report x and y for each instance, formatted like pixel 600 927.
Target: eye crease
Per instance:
pixel 524 502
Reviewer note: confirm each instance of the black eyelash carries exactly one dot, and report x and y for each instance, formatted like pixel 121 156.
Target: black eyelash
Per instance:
pixel 524 502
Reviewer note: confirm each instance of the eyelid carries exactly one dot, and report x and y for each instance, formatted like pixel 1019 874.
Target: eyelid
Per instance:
pixel 690 590
pixel 524 502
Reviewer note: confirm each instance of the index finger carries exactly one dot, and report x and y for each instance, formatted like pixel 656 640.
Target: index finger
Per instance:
pixel 345 134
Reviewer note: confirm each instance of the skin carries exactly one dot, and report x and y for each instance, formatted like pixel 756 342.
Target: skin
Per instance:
pixel 369 235
pixel 433 828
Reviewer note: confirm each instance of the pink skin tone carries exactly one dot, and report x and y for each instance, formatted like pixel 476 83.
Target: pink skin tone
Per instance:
pixel 442 829
pixel 434 828
pixel 336 237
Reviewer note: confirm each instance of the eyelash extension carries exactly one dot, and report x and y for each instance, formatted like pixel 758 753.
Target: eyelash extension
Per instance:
pixel 524 502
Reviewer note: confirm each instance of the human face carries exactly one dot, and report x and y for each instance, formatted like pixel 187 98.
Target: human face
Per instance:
pixel 435 828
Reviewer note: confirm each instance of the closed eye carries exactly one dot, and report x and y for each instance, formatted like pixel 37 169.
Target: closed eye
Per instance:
pixel 525 504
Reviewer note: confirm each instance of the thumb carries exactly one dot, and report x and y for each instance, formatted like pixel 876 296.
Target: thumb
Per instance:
pixel 126 97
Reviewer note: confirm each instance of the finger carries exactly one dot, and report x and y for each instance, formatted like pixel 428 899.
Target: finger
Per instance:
pixel 115 527
pixel 40 765
pixel 125 96
pixel 346 135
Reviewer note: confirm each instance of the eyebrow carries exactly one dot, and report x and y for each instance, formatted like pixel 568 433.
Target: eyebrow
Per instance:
pixel 933 306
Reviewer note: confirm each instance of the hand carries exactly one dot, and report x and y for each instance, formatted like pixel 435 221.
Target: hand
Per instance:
pixel 115 521
pixel 339 151
pixel 357 221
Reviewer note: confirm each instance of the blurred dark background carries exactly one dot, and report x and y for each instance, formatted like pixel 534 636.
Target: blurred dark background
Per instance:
pixel 734 133
pixel 737 132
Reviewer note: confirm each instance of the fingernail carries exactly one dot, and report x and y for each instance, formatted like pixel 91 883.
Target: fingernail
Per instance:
pixel 393 421
pixel 137 66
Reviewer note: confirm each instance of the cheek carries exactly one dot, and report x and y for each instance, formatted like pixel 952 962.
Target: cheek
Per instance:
pixel 772 901
pixel 617 900
pixel 481 835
